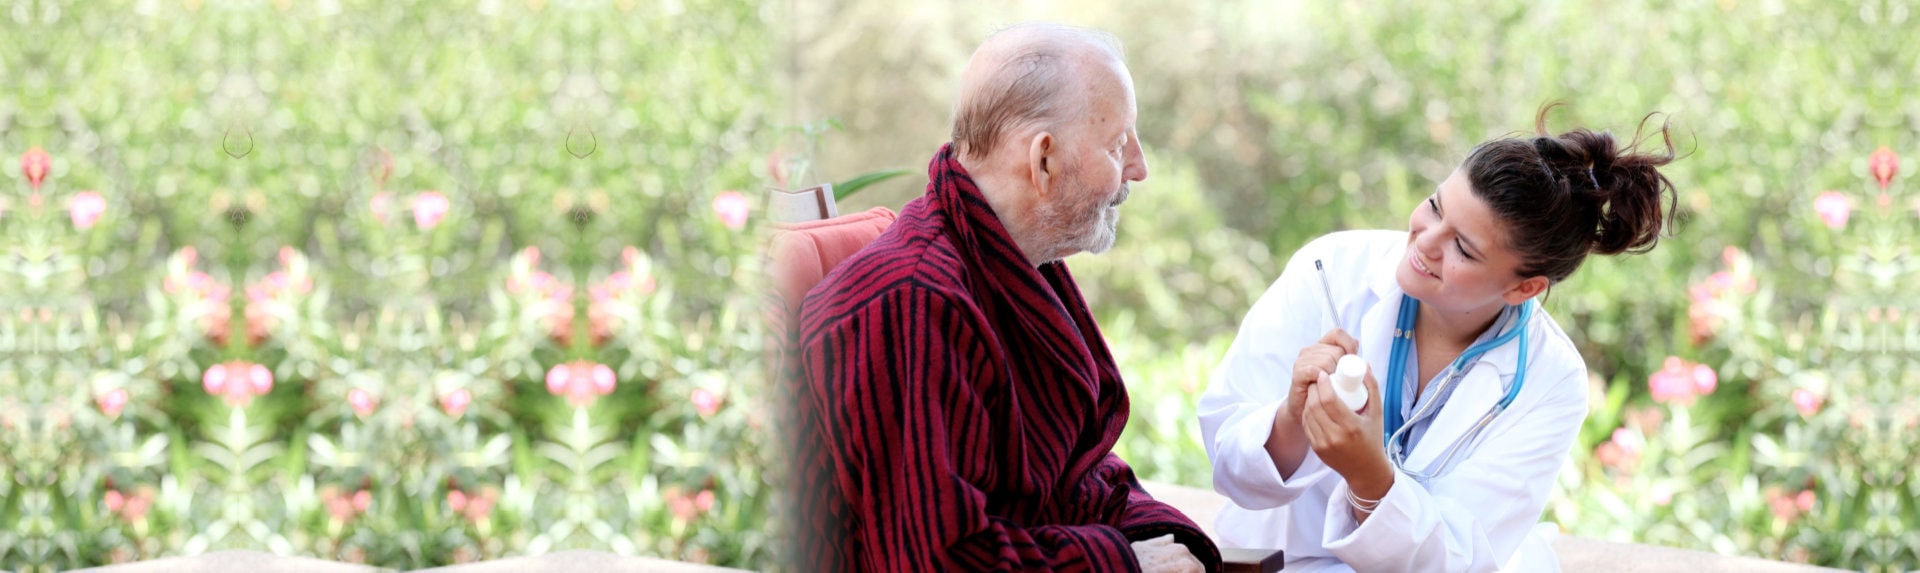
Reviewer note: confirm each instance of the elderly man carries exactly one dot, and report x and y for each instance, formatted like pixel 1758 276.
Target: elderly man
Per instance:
pixel 960 404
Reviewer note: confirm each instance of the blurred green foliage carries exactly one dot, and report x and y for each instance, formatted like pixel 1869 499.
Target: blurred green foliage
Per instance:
pixel 415 217
pixel 1270 123
pixel 482 253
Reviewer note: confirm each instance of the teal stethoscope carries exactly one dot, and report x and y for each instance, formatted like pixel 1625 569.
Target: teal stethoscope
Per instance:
pixel 1397 430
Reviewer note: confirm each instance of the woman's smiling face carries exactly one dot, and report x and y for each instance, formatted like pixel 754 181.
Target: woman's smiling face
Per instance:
pixel 1457 253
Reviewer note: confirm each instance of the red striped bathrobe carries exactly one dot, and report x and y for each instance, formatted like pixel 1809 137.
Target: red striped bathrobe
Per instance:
pixel 957 408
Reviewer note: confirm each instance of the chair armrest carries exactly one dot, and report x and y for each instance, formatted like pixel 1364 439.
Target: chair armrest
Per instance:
pixel 1252 560
pixel 1201 505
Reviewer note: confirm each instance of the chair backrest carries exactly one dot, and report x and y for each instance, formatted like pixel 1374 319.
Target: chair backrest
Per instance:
pixel 810 238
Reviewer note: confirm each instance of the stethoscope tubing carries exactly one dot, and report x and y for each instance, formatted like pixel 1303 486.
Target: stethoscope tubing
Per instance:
pixel 1403 335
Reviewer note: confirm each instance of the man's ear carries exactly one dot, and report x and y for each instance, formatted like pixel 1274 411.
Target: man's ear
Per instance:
pixel 1041 162
pixel 1528 288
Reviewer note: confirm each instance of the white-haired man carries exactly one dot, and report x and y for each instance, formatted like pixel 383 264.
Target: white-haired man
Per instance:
pixel 962 403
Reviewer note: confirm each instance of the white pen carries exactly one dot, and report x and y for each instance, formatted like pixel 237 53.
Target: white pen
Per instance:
pixel 1327 290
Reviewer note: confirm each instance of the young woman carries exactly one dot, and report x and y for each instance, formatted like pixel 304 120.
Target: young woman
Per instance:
pixel 1475 394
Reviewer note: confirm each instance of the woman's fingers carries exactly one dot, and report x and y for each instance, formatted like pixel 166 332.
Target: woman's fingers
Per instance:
pixel 1373 409
pixel 1316 358
pixel 1337 422
pixel 1313 420
pixel 1339 339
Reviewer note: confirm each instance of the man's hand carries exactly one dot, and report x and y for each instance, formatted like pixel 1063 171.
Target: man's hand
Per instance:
pixel 1162 555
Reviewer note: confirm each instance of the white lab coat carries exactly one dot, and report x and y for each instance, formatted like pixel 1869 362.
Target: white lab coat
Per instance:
pixel 1470 519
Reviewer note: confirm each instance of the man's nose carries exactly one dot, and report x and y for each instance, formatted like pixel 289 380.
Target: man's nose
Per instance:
pixel 1136 169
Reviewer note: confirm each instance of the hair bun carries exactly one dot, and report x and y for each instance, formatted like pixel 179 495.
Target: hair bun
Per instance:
pixel 1574 194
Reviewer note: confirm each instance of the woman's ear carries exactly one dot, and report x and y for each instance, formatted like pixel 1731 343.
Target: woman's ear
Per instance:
pixel 1528 288
pixel 1040 161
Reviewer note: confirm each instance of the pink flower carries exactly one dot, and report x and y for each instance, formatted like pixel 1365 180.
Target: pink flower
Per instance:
pixel 681 505
pixel 1701 293
pixel 341 508
pixel 630 255
pixel 1620 452
pixel 479 506
pixel 1704 379
pixel 1673 383
pixel 455 402
pixel 1805 500
pixel 215 379
pixel 382 205
pixel 85 208
pixel 136 506
pixel 1609 455
pixel 189 256
pixel 1624 439
pixel 237 381
pixel 1785 507
pixel 261 378
pixel 474 506
pixel 35 164
pixel 1806 401
pixel 428 208
pixel 732 208
pixel 361 500
pixel 362 402
pixel 1721 282
pixel 704 501
pixel 580 390
pixel 705 402
pixel 131 506
pixel 1883 163
pixel 580 381
pixel 1833 207
pixel 1662 494
pixel 602 379
pixel 113 401
pixel 557 379
pixel 619 281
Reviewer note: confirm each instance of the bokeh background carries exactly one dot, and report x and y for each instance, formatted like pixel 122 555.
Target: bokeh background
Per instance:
pixel 414 283
pixel 1753 380
pixel 402 283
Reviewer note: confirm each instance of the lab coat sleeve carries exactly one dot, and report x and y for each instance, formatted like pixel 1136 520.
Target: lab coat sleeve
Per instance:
pixel 1473 518
pixel 1250 387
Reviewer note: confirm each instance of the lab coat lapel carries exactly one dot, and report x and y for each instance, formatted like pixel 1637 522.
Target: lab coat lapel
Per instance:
pixel 1376 344
pixel 1483 387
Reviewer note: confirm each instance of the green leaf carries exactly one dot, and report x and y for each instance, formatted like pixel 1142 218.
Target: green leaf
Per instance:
pixel 150 452
pixel 845 189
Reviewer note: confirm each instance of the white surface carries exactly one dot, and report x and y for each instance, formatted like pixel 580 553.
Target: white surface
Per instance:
pixel 1575 554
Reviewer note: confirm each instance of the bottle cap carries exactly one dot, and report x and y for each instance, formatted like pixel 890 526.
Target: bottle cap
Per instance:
pixel 1351 371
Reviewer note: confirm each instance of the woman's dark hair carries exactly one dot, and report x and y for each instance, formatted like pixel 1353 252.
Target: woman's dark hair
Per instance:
pixel 1565 196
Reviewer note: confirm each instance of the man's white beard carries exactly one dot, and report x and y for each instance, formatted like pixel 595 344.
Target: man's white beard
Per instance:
pixel 1077 227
